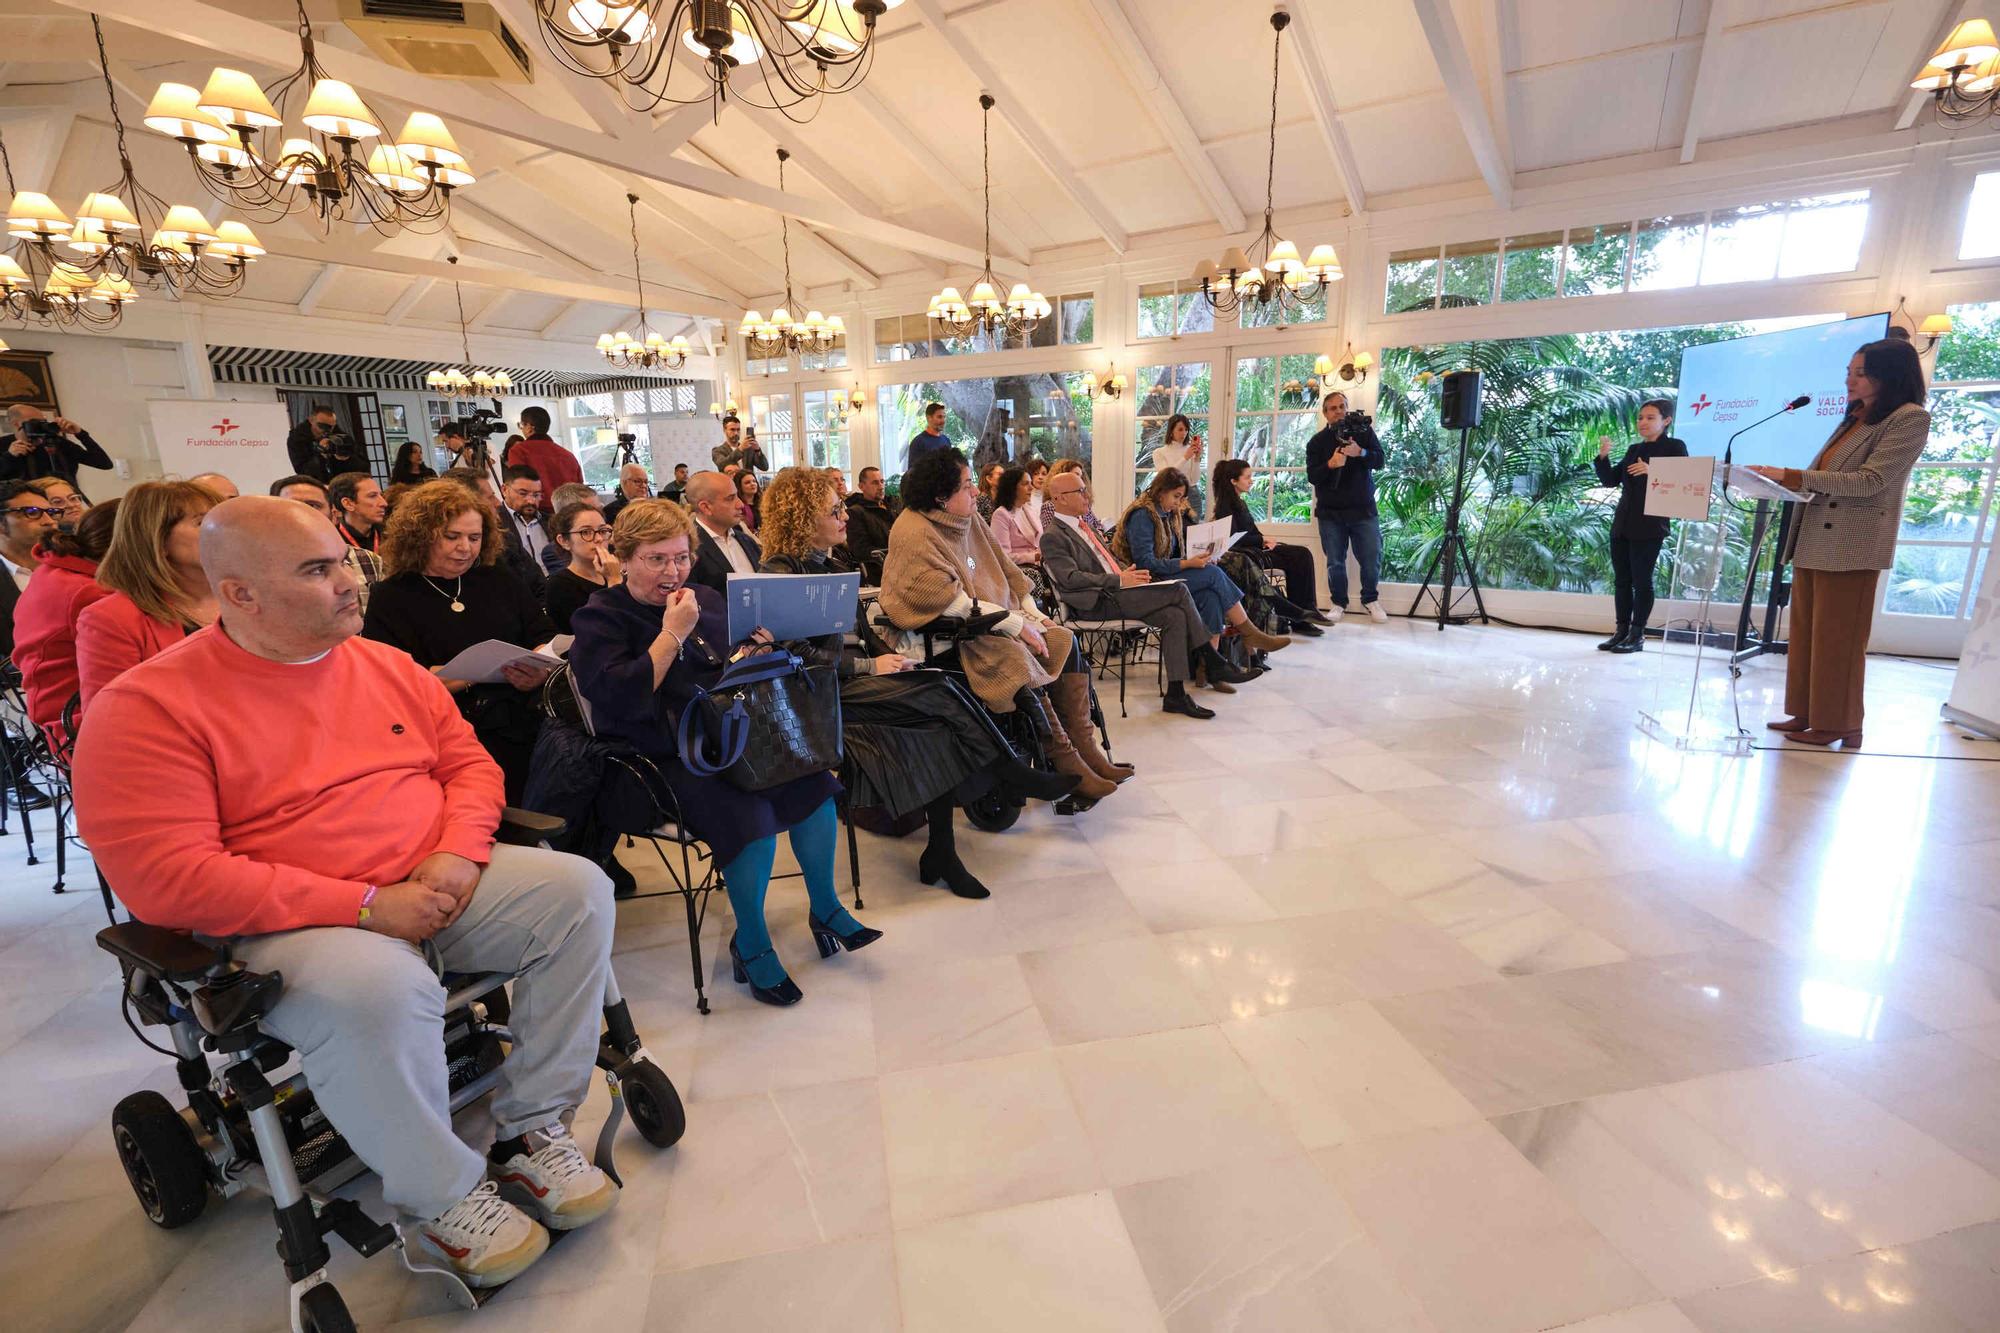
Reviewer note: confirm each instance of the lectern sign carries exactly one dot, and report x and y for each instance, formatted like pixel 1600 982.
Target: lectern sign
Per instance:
pixel 1679 488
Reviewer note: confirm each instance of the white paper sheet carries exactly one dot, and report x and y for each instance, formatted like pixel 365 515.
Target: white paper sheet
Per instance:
pixel 482 662
pixel 1211 538
pixel 1679 487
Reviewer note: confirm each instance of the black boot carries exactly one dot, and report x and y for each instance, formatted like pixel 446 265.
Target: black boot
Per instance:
pixel 1025 783
pixel 1217 667
pixel 940 858
pixel 622 883
pixel 1633 642
pixel 1610 645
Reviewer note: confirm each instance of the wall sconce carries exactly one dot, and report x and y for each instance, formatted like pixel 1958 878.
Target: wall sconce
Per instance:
pixel 1933 328
pixel 857 399
pixel 1111 386
pixel 727 407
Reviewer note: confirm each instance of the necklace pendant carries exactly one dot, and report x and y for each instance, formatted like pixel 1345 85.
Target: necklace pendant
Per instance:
pixel 457 605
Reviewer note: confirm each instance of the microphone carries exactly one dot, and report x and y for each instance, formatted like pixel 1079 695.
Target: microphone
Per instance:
pixel 1728 450
pixel 1801 401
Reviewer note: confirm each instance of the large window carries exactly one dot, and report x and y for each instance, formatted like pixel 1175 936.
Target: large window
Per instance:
pixel 771 421
pixel 827 412
pixel 1170 309
pixel 1981 238
pixel 1073 322
pixel 596 420
pixel 1158 392
pixel 993 420
pixel 1948 512
pixel 1277 411
pixel 834 358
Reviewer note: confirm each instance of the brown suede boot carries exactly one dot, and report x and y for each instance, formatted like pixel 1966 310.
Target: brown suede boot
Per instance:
pixel 1071 696
pixel 1258 641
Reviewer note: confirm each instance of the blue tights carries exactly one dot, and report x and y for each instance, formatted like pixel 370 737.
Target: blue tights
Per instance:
pixel 748 878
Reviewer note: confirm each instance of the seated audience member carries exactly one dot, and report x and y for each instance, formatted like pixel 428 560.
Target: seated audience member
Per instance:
pixel 308 491
pixel 676 490
pixel 513 556
pixel 722 546
pixel 359 509
pixel 914 740
pixel 1149 534
pixel 39 445
pixel 442 591
pixel 585 538
pixel 521 512
pixel 1090 518
pixel 410 468
pixel 1091 582
pixel 223 487
pixel 1017 530
pixel 641 650
pixel 394 494
pixel 69 503
pixel 989 483
pixel 869 515
pixel 153 568
pixel 554 557
pixel 944 562
pixel 193 812
pixel 633 484
pixel 839 481
pixel 26 518
pixel 1232 480
pixel 747 488
pixel 65 583
pixel 1266 607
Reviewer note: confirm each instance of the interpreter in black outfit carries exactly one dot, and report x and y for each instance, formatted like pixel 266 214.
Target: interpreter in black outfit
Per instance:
pixel 1233 478
pixel 584 532
pixel 1636 536
pixel 443 591
pixel 56 448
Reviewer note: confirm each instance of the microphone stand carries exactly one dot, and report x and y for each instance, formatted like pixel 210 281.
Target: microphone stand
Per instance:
pixel 1761 525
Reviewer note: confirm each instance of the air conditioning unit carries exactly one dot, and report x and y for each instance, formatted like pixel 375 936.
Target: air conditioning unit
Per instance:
pixel 447 39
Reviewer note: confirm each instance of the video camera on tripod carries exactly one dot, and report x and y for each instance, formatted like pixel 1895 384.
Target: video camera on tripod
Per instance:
pixel 478 428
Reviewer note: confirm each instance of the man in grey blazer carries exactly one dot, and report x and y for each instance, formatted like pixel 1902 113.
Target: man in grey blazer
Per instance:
pixel 1091 582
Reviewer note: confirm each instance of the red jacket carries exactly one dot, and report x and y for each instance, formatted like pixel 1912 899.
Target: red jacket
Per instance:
pixel 112 637
pixel 45 631
pixel 556 465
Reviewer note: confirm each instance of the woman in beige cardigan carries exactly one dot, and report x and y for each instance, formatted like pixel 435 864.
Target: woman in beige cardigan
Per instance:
pixel 943 561
pixel 1844 539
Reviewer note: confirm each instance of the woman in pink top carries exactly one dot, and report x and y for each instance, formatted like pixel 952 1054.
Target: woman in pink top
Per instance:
pixel 1014 523
pixel 159 594
pixel 65 582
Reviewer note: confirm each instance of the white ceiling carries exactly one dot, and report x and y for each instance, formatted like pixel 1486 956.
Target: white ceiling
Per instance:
pixel 1113 115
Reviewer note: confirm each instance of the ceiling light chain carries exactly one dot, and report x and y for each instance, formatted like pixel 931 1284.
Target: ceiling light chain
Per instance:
pixel 648 350
pixel 1023 310
pixel 461 379
pixel 781 334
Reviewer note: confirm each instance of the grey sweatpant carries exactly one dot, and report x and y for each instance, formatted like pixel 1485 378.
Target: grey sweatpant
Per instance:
pixel 366 1014
pixel 1170 608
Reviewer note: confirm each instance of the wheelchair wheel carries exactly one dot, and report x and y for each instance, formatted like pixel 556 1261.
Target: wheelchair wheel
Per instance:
pixel 655 1106
pixel 992 813
pixel 321 1310
pixel 167 1168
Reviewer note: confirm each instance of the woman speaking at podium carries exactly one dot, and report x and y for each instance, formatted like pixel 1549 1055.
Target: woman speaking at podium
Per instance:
pixel 1845 537
pixel 1636 536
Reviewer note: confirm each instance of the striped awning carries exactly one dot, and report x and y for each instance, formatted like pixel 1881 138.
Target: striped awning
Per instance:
pixel 328 370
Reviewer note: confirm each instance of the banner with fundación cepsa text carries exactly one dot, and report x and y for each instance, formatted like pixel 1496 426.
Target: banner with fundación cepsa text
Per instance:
pixel 245 442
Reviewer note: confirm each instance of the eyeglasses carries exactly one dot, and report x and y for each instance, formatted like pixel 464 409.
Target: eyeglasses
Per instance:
pixel 33 511
pixel 656 563
pixel 590 532
pixel 68 502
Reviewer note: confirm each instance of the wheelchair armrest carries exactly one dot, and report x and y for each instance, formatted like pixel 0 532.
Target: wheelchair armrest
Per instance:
pixel 527 828
pixel 171 955
pixel 952 628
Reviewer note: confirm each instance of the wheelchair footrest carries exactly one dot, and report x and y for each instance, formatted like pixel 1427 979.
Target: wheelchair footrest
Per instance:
pixel 362 1233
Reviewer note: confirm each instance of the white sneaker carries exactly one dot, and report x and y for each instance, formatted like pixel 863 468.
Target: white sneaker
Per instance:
pixel 1335 614
pixel 557 1183
pixel 1377 614
pixel 483 1238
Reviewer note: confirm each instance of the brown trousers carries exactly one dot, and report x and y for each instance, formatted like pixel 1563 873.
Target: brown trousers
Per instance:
pixel 1828 658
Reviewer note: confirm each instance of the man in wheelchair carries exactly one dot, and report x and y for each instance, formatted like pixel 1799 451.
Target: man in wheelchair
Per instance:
pixel 316 800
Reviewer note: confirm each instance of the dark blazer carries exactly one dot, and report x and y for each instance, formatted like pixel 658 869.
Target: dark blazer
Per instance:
pixel 1631 521
pixel 868 523
pixel 515 558
pixel 10 597
pixel 711 566
pixel 1074 570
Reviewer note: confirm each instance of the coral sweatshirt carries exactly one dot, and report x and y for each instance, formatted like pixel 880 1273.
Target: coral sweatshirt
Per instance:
pixel 224 793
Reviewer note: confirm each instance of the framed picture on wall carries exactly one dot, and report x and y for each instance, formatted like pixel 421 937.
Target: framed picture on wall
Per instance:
pixel 25 378
pixel 396 421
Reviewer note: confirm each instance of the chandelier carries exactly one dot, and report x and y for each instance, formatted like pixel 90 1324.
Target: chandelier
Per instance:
pixel 802 49
pixel 1963 75
pixel 1018 315
pixel 34 284
pixel 452 379
pixel 648 350
pixel 234 133
pixel 1268 272
pixel 815 335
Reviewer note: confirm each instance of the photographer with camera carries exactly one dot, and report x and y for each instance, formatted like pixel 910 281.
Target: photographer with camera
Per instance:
pixel 39 445
pixel 1340 463
pixel 319 448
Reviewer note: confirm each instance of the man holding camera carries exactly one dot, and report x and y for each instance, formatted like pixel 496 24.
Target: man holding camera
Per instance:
pixel 39 445
pixel 319 448
pixel 1340 463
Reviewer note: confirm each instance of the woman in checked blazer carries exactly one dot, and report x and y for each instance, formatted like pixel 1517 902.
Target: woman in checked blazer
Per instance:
pixel 1845 538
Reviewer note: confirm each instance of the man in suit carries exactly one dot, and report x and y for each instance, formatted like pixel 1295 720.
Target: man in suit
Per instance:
pixel 26 516
pixel 722 547
pixel 1091 582
pixel 512 553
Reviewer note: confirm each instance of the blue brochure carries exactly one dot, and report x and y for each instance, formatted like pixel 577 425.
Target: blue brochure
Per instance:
pixel 791 606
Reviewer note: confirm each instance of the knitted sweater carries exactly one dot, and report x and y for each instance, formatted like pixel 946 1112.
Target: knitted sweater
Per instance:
pixel 941 564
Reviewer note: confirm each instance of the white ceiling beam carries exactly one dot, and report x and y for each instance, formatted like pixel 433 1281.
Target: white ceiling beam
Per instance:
pixel 661 205
pixel 245 39
pixel 1502 55
pixel 1326 112
pixel 1707 61
pixel 563 316
pixel 316 290
pixel 1129 45
pixel 590 100
pixel 492 217
pixel 1026 128
pixel 1913 105
pixel 857 273
pixel 491 307
pixel 785 135
pixel 952 190
pixel 1454 62
pixel 418 289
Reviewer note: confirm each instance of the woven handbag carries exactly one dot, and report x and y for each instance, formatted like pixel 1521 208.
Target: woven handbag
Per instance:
pixel 769 720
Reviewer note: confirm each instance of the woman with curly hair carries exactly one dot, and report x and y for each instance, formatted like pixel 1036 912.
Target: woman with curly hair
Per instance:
pixel 442 591
pixel 915 740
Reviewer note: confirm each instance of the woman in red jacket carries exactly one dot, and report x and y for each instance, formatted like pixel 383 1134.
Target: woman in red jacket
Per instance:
pixel 159 594
pixel 65 582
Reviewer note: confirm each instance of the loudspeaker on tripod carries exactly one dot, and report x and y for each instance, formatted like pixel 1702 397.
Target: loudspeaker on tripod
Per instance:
pixel 1458 400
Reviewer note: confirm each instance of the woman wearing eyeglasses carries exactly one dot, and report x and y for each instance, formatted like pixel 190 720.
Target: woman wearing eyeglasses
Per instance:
pixel 68 502
pixel 580 530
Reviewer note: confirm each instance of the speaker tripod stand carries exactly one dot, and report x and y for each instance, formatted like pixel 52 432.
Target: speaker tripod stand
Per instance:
pixel 1451 558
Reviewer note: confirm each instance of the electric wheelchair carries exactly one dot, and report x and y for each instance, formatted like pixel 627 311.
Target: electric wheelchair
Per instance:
pixel 241 1131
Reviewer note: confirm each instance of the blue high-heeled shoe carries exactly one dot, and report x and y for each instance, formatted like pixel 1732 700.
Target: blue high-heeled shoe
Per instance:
pixel 785 992
pixel 831 941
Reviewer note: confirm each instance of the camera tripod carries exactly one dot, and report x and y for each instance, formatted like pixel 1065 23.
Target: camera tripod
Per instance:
pixel 1452 556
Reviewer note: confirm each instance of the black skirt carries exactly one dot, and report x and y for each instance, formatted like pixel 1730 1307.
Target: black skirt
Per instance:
pixel 913 737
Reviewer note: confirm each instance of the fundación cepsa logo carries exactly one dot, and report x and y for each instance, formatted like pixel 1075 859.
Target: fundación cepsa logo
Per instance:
pixel 1700 403
pixel 224 427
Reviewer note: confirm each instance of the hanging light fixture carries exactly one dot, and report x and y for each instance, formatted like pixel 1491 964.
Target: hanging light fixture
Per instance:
pixel 235 135
pixel 814 336
pixel 1268 272
pixel 1963 74
pixel 985 311
pixel 454 379
pixel 647 348
pixel 34 284
pixel 801 49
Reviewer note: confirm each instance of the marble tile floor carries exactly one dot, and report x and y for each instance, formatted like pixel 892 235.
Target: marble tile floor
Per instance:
pixel 1417 991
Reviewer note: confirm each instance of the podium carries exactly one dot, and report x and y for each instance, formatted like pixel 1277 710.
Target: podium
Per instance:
pixel 1693 704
